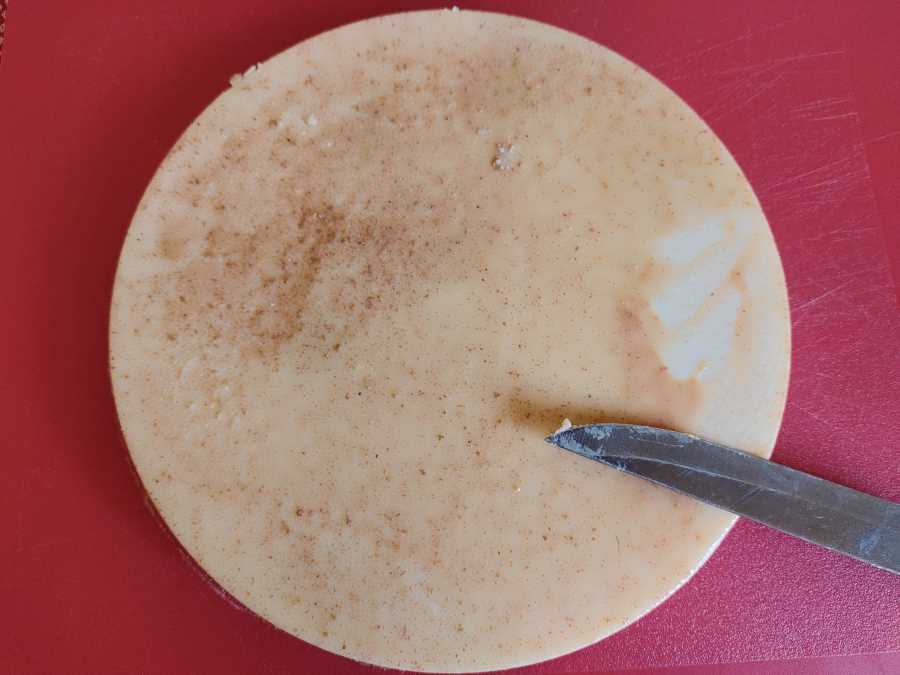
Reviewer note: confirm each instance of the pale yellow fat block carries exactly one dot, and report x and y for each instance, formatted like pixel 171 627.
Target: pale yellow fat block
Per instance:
pixel 370 279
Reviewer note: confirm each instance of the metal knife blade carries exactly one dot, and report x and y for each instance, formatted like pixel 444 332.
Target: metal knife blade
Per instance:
pixel 816 510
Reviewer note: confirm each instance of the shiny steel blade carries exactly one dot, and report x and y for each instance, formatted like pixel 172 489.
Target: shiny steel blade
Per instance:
pixel 819 511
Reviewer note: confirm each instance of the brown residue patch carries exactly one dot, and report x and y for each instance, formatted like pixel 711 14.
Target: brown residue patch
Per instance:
pixel 172 247
pixel 253 288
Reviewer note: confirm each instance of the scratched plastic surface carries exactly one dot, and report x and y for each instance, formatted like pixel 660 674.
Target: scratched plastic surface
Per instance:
pixel 2 24
pixel 805 95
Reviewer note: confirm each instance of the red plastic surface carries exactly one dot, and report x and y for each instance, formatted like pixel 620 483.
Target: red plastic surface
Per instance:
pixel 92 94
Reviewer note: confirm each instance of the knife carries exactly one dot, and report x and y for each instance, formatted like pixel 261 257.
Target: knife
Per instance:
pixel 816 510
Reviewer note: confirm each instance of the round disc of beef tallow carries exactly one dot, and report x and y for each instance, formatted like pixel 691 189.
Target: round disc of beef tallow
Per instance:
pixel 370 279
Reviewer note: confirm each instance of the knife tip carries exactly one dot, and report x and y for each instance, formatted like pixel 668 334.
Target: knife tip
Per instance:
pixel 587 441
pixel 553 439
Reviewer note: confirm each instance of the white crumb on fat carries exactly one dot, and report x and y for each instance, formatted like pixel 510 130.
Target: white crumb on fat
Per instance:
pixel 284 120
pixel 484 131
pixel 238 77
pixel 454 8
pixel 507 157
pixel 291 119
pixel 565 426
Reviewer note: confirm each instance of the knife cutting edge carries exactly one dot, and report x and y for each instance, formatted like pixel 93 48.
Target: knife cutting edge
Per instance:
pixel 813 509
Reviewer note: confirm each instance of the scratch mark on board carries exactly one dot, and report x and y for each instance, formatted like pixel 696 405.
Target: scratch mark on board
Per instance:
pixel 814 416
pixel 882 137
pixel 816 300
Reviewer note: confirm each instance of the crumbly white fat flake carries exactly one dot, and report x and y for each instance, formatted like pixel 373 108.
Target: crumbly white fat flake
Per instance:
pixel 237 77
pixel 565 426
pixel 507 157
pixel 303 123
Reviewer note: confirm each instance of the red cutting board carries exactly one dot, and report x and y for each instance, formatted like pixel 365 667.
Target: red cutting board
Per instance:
pixel 92 94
